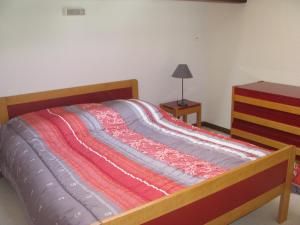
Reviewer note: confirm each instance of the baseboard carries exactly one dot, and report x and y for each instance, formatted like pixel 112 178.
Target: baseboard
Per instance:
pixel 215 127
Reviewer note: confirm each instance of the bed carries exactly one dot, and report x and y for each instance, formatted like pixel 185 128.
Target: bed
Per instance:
pixel 170 188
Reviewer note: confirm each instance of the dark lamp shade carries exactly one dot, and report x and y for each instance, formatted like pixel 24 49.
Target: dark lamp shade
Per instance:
pixel 182 71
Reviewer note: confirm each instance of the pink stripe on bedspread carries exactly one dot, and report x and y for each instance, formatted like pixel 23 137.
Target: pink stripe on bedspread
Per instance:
pixel 184 126
pixel 115 126
pixel 85 168
pixel 129 174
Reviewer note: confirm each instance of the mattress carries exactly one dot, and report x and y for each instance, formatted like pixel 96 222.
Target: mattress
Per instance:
pixel 83 163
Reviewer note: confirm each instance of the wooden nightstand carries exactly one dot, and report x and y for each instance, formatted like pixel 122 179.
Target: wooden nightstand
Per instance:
pixel 184 111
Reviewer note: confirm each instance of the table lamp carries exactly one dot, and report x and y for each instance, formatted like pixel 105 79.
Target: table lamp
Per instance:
pixel 182 71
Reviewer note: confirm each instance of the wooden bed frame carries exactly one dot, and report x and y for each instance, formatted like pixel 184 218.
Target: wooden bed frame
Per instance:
pixel 219 200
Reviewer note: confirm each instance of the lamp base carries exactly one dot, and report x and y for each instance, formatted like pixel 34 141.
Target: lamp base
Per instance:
pixel 182 102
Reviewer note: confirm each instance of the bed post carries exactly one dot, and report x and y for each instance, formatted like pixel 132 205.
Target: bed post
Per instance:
pixel 135 89
pixel 3 110
pixel 285 196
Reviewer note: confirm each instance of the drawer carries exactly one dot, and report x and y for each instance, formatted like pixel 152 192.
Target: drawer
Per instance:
pixel 267 113
pixel 272 97
pixel 275 119
pixel 270 133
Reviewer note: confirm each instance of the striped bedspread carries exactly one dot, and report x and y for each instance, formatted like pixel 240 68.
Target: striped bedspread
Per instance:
pixel 83 163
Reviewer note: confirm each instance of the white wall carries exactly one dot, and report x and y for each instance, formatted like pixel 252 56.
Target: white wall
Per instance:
pixel 261 43
pixel 224 44
pixel 40 49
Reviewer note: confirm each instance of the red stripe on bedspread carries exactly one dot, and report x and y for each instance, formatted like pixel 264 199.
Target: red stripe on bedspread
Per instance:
pixel 117 127
pixel 129 174
pixel 78 163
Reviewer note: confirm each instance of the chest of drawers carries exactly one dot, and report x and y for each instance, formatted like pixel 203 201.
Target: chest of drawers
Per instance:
pixel 267 114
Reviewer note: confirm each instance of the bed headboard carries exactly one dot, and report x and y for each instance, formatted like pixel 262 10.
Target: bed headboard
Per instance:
pixel 12 106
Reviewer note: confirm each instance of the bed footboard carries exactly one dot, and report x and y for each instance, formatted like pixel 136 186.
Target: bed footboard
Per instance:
pixel 222 199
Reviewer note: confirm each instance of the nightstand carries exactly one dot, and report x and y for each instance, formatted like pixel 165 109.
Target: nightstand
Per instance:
pixel 184 111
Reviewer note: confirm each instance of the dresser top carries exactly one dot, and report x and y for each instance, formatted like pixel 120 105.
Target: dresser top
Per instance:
pixel 273 88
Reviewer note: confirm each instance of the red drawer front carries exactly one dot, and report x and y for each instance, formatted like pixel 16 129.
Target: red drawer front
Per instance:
pixel 267 96
pixel 267 132
pixel 274 115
